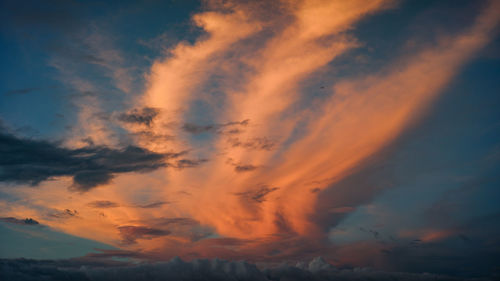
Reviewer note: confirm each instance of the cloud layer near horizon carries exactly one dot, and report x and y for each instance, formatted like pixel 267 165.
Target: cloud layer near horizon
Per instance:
pixel 200 269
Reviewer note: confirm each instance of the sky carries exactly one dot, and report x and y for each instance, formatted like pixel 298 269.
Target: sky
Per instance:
pixel 242 135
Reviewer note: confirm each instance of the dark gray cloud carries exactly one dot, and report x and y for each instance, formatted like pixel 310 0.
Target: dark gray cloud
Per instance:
pixel 240 167
pixel 188 163
pixel 152 205
pixel 177 226
pixel 259 195
pixel 103 204
pixel 214 128
pixel 26 221
pixel 253 144
pixel 150 228
pixel 198 269
pixel 131 233
pixel 143 116
pixel 244 168
pixel 64 214
pixel 152 137
pixel 166 221
pixel 176 220
pixel 85 180
pixel 107 253
pixel 33 161
pixel 198 129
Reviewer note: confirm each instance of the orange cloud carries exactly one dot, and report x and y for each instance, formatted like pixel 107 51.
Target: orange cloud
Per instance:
pixel 361 117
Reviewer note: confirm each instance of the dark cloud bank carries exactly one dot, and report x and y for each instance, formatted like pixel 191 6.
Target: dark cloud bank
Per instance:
pixel 200 269
pixel 33 161
pixel 26 221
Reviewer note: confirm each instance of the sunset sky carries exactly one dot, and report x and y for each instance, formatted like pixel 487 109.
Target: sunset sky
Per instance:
pixel 363 132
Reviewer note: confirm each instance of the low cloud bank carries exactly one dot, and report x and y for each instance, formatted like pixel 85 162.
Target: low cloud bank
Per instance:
pixel 199 269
